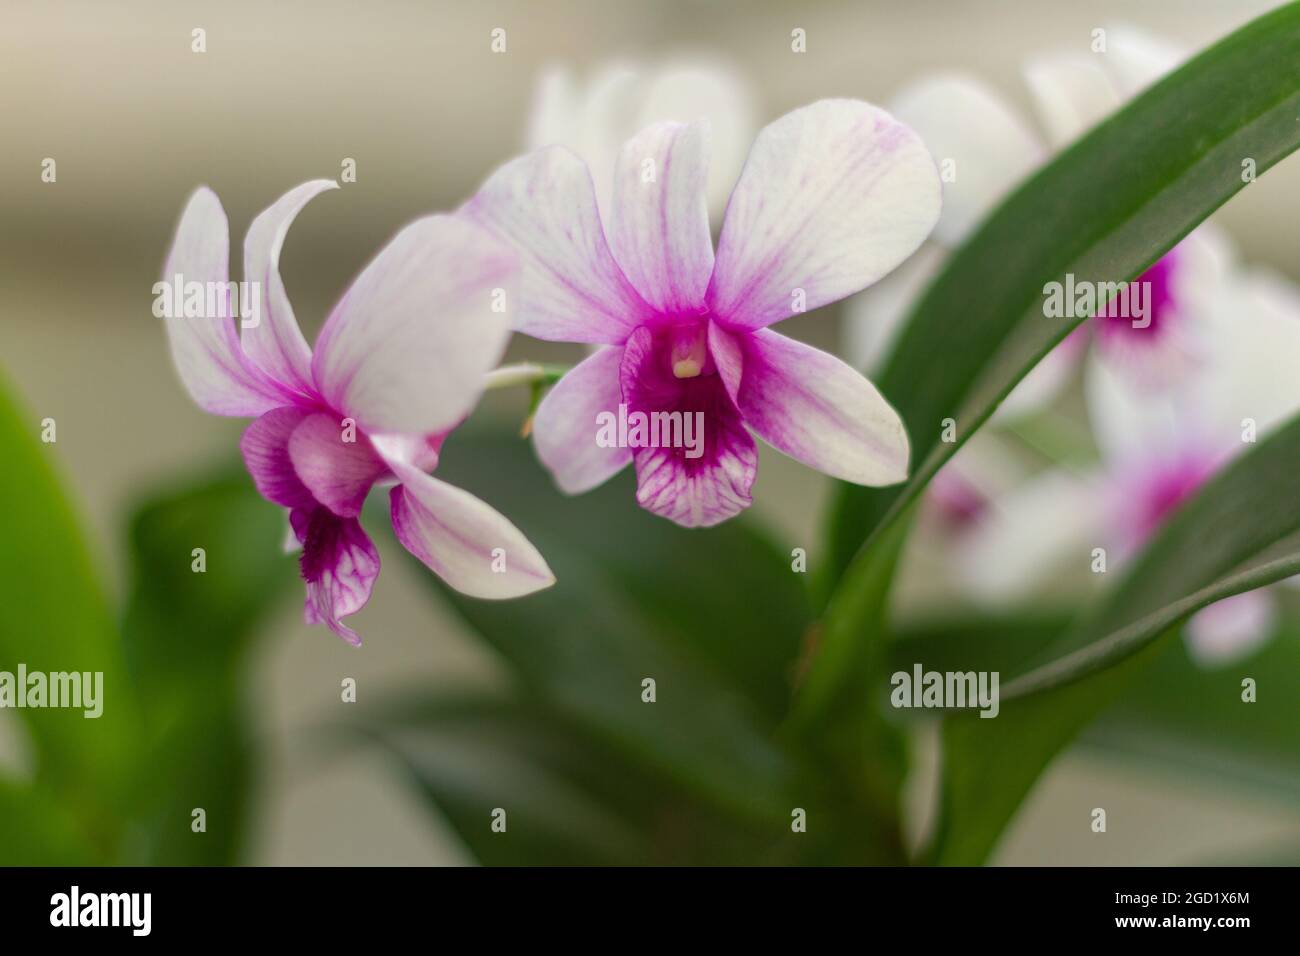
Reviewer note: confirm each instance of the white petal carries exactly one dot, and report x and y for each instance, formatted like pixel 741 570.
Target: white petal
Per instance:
pixel 1072 94
pixel 571 289
pixel 205 349
pixel 275 343
pixel 659 229
pixel 820 411
pixel 961 120
pixel 565 426
pixel 407 347
pixel 1135 59
pixel 832 197
pixel 463 540
pixel 1231 629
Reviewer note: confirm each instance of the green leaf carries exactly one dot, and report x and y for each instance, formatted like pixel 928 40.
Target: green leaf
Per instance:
pixel 714 617
pixel 56 619
pixel 187 635
pixel 1103 210
pixel 1220 542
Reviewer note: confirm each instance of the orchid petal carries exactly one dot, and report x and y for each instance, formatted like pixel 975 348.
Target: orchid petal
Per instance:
pixel 832 197
pixel 275 343
pixel 1071 93
pixel 571 288
pixel 698 491
pixel 961 120
pixel 339 563
pixel 565 426
pixel 820 411
pixel 463 540
pixel 338 472
pixel 659 232
pixel 205 349
pixel 874 319
pixel 265 447
pixel 407 347
pixel 1231 629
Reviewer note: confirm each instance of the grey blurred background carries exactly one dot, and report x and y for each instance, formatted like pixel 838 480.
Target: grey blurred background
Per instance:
pixel 411 91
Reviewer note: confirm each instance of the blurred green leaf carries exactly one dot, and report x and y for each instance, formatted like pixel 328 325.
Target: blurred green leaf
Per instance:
pixel 714 617
pixel 36 829
pixel 1104 209
pixel 1218 543
pixel 56 619
pixel 187 635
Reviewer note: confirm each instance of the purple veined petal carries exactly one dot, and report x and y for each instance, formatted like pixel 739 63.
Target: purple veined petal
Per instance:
pixel 659 231
pixel 462 539
pixel 337 472
pixel 820 411
pixel 565 427
pixel 571 289
pixel 265 447
pixel 693 487
pixel 339 564
pixel 961 120
pixel 407 347
pixel 206 350
pixel 275 343
pixel 832 197
pixel 1231 629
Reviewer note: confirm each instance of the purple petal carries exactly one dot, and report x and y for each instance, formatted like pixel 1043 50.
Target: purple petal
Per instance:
pixel 275 343
pixel 339 563
pixel 572 290
pixel 462 539
pixel 832 197
pixel 337 472
pixel 660 220
pixel 565 426
pixel 265 447
pixel 691 491
pixel 407 347
pixel 820 411
pixel 205 349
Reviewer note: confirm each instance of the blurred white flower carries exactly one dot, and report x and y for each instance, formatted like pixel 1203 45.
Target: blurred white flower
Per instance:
pixel 596 117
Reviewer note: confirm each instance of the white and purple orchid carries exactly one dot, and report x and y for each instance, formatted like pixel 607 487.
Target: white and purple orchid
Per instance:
pixel 992 150
pixel 832 197
pixel 400 361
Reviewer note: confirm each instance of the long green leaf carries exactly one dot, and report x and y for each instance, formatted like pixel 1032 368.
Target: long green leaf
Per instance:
pixel 1103 210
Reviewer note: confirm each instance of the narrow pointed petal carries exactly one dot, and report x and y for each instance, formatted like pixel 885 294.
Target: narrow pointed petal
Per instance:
pixel 337 472
pixel 660 228
pixel 565 426
pixel 961 120
pixel 265 447
pixel 339 563
pixel 571 289
pixel 407 347
pixel 463 540
pixel 275 343
pixel 832 197
pixel 205 349
pixel 698 491
pixel 820 411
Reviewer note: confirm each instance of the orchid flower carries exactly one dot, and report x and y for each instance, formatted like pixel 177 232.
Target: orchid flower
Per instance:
pixel 620 99
pixel 1005 533
pixel 964 122
pixel 400 361
pixel 832 197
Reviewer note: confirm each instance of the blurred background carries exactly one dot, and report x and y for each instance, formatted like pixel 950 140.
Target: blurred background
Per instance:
pixel 412 92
